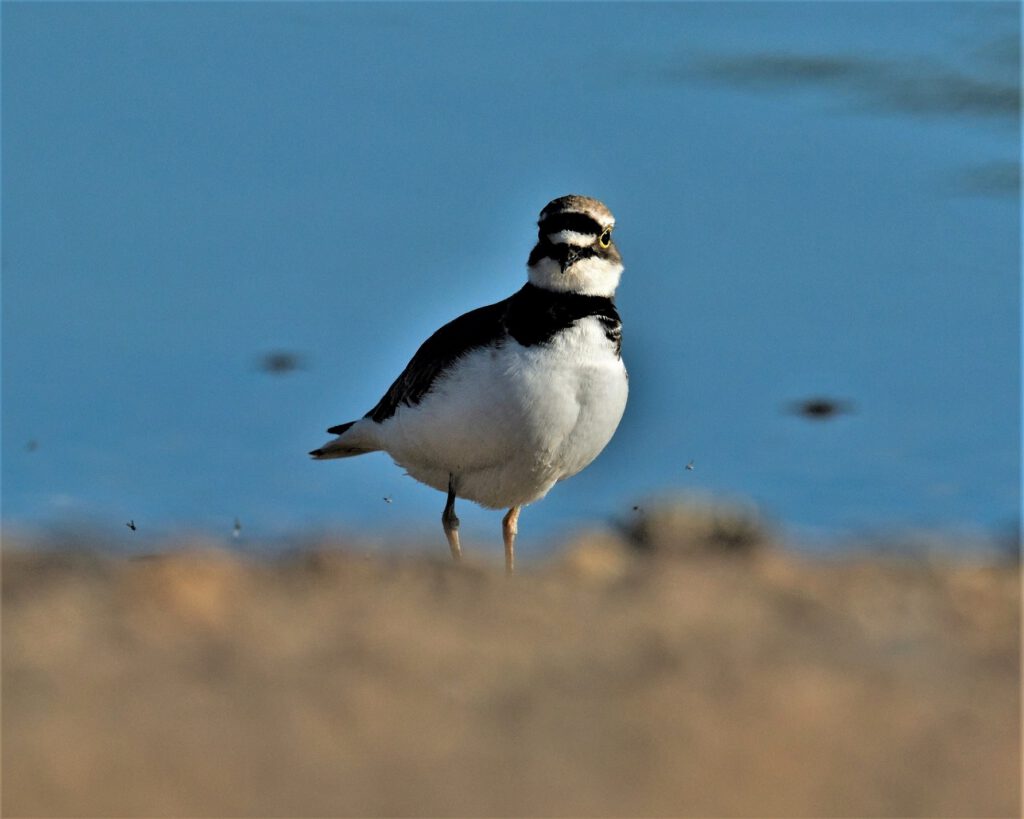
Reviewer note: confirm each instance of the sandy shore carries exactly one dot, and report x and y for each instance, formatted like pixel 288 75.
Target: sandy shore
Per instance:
pixel 603 683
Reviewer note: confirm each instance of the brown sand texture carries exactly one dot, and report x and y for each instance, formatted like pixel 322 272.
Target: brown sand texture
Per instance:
pixel 603 682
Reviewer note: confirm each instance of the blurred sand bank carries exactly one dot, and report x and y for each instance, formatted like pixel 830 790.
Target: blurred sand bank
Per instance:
pixel 605 682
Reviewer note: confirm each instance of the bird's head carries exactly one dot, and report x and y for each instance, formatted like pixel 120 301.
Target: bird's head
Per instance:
pixel 575 252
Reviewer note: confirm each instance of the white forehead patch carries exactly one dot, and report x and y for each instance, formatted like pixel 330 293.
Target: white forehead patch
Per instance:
pixel 571 237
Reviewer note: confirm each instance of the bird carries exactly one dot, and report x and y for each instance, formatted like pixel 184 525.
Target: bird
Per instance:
pixel 505 401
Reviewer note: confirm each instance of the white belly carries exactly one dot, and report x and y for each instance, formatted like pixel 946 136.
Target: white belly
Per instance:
pixel 510 422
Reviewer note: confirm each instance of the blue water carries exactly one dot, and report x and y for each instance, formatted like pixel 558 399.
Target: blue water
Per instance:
pixel 812 199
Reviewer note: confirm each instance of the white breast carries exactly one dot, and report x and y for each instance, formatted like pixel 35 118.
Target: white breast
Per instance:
pixel 509 422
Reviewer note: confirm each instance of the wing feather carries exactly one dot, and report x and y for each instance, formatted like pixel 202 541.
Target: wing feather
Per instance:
pixel 477 328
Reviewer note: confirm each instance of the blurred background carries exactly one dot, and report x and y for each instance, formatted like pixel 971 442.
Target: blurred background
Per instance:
pixel 228 227
pixel 789 587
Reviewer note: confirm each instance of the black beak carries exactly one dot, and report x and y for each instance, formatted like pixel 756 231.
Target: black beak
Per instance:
pixel 571 255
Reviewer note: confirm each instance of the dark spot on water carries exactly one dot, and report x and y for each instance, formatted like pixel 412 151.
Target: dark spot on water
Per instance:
pixel 281 362
pixel 820 408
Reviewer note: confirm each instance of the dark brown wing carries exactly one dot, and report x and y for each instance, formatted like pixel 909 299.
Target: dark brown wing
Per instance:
pixel 477 328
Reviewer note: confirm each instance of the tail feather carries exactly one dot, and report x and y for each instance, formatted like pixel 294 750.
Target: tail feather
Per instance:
pixel 346 445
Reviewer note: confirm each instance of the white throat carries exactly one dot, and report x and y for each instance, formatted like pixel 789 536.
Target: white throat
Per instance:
pixel 591 277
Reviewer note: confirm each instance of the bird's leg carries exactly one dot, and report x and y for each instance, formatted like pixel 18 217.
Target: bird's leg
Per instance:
pixel 450 521
pixel 509 527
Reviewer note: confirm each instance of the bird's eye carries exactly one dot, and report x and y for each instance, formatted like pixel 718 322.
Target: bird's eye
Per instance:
pixel 606 237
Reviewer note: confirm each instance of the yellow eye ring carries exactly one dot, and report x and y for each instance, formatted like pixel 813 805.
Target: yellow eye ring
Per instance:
pixel 606 238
